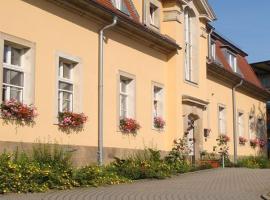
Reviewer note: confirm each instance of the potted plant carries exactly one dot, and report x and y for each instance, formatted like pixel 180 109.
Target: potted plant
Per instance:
pixel 71 120
pixel 262 143
pixel 254 142
pixel 159 122
pixel 242 140
pixel 21 113
pixel 129 125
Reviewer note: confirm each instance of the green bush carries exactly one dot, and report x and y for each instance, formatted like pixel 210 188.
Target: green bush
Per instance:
pixel 96 176
pixel 254 162
pixel 147 164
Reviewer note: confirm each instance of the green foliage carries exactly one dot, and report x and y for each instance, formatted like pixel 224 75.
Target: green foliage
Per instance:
pixel 254 162
pixel 96 176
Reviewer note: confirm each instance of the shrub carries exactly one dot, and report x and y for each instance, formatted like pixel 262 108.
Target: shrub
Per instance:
pixel 96 176
pixel 254 162
pixel 21 113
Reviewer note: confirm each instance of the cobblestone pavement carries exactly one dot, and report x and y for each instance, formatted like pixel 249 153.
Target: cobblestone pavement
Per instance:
pixel 219 184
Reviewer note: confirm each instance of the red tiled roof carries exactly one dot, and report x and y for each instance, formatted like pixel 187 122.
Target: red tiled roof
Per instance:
pixel 245 68
pixel 128 3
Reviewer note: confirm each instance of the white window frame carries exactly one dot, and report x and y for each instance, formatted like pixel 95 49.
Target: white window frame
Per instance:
pixel 153 15
pixel 240 124
pixel 130 94
pixel 67 81
pixel 222 120
pixel 118 4
pixel 232 60
pixel 213 50
pixel 160 99
pixel 125 95
pixel 8 66
pixel 252 133
pixel 188 46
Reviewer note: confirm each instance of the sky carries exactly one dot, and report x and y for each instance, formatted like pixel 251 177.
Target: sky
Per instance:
pixel 246 23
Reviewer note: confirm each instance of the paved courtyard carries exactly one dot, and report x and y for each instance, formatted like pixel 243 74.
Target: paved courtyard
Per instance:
pixel 219 184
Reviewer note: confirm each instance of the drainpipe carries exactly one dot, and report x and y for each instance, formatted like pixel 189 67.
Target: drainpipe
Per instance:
pixel 100 90
pixel 234 122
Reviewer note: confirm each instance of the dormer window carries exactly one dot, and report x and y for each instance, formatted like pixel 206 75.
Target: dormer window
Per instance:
pixel 120 5
pixel 213 50
pixel 153 11
pixel 232 61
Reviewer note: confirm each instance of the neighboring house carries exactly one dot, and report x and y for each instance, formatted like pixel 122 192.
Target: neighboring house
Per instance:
pixel 156 64
pixel 262 70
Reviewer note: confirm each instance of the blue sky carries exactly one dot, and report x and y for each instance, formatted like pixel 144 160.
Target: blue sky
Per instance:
pixel 246 23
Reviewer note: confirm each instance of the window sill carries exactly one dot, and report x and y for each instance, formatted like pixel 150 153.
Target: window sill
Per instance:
pixel 191 83
pixel 158 130
pixel 155 27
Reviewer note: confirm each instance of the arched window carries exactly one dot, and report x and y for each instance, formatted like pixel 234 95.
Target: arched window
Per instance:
pixel 188 45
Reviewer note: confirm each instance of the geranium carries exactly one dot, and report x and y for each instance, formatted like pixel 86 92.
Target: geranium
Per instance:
pixel 223 139
pixel 254 142
pixel 129 125
pixel 15 110
pixel 159 122
pixel 242 140
pixel 70 120
pixel 262 143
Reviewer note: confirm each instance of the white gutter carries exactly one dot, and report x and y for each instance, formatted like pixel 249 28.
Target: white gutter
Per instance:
pixel 100 89
pixel 235 139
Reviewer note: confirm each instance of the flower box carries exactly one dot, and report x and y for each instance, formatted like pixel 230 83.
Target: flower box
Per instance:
pixel 254 143
pixel 242 140
pixel 129 125
pixel 159 123
pixel 70 120
pixel 213 163
pixel 223 139
pixel 262 143
pixel 15 110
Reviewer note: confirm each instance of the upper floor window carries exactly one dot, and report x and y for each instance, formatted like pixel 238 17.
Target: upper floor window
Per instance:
pixel 222 120
pixel 127 97
pixel 65 85
pixel 213 50
pixel 13 72
pixel 232 60
pixel 120 5
pixel 152 13
pixel 240 123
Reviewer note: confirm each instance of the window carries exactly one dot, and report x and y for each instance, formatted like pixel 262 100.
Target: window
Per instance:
pixel 13 73
pixel 188 47
pixel 240 124
pixel 127 97
pixel 65 85
pixel 232 61
pixel 158 97
pixel 120 5
pixel 213 50
pixel 222 120
pixel 251 127
pixel 153 10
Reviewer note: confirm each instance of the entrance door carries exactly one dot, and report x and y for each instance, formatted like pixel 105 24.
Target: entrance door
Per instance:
pixel 190 139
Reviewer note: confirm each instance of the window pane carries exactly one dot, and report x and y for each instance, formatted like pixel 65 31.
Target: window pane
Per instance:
pixel 123 86
pixel 4 95
pixel 123 105
pixel 5 54
pixel 16 56
pixel 15 93
pixel 65 100
pixel 65 86
pixel 13 77
pixel 67 70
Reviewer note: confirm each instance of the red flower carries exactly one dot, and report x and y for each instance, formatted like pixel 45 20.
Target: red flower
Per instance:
pixel 72 120
pixel 254 142
pixel 242 140
pixel 129 125
pixel 159 122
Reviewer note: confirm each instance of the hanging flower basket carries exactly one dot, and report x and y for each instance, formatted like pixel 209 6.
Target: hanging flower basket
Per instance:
pixel 242 140
pixel 21 113
pixel 254 143
pixel 262 143
pixel 129 125
pixel 206 132
pixel 159 123
pixel 223 139
pixel 70 120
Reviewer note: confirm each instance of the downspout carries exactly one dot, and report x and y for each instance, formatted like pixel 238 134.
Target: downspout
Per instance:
pixel 100 90
pixel 234 122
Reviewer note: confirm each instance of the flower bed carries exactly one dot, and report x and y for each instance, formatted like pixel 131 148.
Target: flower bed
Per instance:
pixel 242 140
pixel 15 110
pixel 129 125
pixel 159 122
pixel 70 120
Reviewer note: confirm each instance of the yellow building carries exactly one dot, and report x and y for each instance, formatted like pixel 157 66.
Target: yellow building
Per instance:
pixel 156 63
